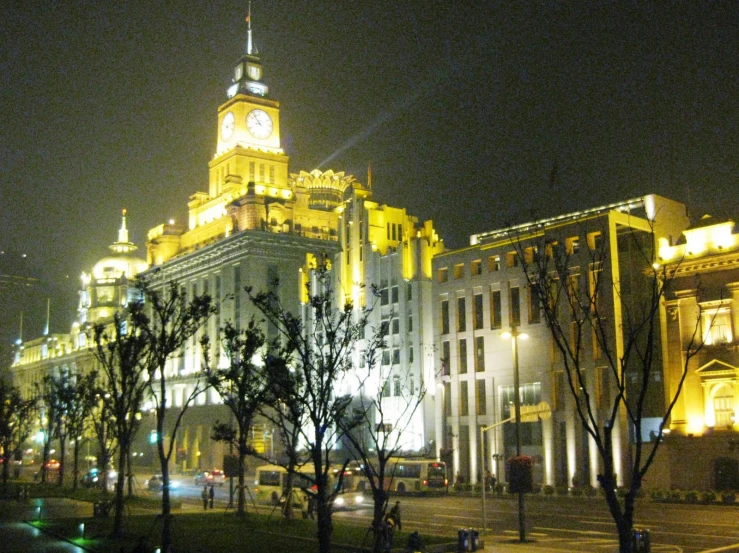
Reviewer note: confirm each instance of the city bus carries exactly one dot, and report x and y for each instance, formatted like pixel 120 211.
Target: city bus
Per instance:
pixel 271 480
pixel 416 476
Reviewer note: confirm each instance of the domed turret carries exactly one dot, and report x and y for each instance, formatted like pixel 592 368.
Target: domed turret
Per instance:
pixel 105 289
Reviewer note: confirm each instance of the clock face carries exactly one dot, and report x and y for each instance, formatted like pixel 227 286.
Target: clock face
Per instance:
pixel 259 124
pixel 227 125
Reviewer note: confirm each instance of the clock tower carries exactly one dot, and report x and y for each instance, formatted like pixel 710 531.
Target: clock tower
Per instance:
pixel 248 147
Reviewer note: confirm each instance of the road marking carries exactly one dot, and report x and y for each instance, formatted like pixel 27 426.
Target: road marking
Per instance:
pixel 734 547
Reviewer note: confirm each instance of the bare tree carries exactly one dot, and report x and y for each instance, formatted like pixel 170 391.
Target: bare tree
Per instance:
pixel 582 318
pixel 16 423
pixel 78 416
pixel 166 324
pixel 47 392
pixel 319 348
pixel 241 384
pixel 102 422
pixel 378 425
pixel 119 349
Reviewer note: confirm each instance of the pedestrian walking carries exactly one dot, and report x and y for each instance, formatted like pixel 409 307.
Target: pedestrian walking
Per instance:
pixel 204 495
pixel 393 517
pixel 211 495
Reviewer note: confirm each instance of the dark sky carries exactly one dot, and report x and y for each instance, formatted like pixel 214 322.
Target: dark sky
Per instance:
pixel 462 107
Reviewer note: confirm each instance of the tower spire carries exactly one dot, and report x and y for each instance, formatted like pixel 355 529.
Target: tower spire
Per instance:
pixel 123 245
pixel 249 45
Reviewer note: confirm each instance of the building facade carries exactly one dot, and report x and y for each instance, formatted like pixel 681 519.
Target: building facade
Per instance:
pixel 482 290
pixel 701 308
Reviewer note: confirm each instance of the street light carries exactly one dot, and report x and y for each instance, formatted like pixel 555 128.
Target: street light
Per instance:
pixel 515 335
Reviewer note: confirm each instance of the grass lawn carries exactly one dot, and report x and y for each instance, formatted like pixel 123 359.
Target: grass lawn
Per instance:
pixel 216 532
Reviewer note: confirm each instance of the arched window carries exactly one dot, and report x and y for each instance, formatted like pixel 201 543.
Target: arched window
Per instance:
pixel 723 405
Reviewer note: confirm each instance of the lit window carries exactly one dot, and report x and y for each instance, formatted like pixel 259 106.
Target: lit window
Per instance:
pixel 717 326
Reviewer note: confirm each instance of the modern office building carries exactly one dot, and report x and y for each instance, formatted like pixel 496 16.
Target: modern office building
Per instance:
pixel 481 290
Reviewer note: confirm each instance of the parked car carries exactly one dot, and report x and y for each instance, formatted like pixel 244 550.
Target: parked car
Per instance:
pixel 213 477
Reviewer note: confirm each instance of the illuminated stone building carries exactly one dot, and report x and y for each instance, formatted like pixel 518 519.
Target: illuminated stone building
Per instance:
pixel 105 289
pixel 481 291
pixel 261 226
pixel 702 305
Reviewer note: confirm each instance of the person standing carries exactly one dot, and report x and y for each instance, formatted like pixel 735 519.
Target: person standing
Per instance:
pixel 204 495
pixel 212 495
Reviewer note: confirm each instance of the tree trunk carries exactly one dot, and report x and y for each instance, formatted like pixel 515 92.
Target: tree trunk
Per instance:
pixel 166 503
pixel 325 526
pixel 129 472
pixel 45 461
pixel 380 501
pixel 241 510
pixel 119 488
pixel 6 469
pixel 76 464
pixel 63 461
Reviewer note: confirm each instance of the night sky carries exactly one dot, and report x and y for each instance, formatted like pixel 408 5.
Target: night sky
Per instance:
pixel 463 109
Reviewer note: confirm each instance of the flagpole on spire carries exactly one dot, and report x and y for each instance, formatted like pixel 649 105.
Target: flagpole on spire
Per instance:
pixel 248 32
pixel 48 316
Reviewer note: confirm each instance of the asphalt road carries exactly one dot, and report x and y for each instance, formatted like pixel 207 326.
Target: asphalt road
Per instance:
pixel 569 524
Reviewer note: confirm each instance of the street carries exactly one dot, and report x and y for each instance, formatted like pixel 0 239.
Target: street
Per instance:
pixel 572 524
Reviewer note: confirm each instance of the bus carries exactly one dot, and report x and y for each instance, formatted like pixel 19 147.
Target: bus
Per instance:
pixel 416 476
pixel 271 480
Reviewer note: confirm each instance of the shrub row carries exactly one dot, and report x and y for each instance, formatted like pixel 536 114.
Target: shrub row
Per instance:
pixel 693 496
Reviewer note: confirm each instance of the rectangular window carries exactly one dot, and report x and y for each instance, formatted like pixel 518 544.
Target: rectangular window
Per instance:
pixel 445 316
pixel 388 231
pixel 442 275
pixel 386 389
pixel 448 399
pixel 493 263
pixel 385 357
pixel 511 259
pixel 461 315
pixel 408 291
pixel 476 267
pixel 396 386
pixel 445 358
pixel 384 296
pixel 271 174
pixel 462 345
pixel 394 294
pixel 477 314
pixel 480 397
pixel 395 326
pixel 514 304
pixel 252 171
pixel 394 228
pixel 410 323
pixel 261 172
pixel 496 317
pixel 595 240
pixel 534 311
pixel 410 356
pixel 464 400
pixel 479 354
pixel 573 245
pixel 459 271
pixel 237 296
pixel 396 356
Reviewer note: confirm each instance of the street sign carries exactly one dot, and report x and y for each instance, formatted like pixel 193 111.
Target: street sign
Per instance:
pixel 534 413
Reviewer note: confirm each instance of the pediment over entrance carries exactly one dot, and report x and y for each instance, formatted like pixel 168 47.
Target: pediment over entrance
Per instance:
pixel 717 369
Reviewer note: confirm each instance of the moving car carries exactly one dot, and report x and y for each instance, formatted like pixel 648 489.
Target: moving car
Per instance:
pixel 213 477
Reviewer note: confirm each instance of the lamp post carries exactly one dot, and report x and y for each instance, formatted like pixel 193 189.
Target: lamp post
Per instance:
pixel 515 335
